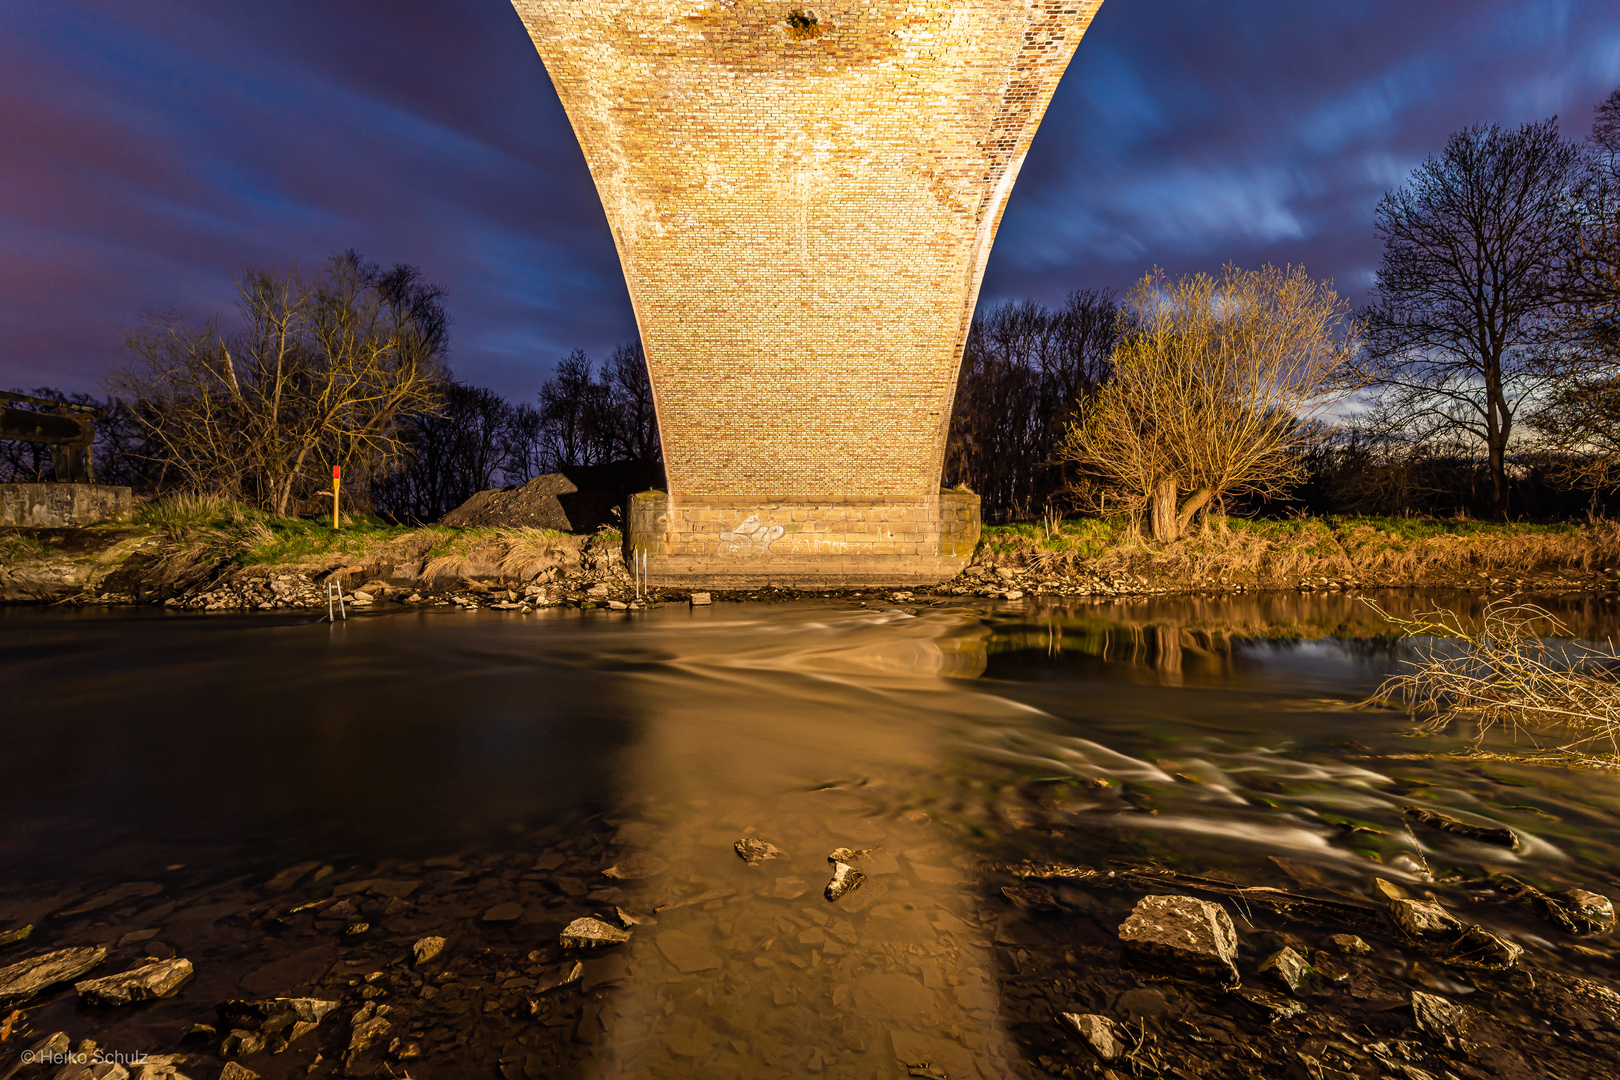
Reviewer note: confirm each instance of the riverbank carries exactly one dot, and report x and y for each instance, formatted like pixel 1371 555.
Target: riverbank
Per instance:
pixel 205 555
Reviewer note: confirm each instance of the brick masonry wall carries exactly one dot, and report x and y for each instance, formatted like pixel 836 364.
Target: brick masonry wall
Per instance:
pixel 805 540
pixel 803 214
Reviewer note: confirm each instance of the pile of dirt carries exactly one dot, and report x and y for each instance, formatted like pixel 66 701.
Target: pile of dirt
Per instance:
pixel 578 499
pixel 534 505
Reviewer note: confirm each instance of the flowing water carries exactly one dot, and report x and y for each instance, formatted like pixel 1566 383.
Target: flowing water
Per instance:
pixel 486 759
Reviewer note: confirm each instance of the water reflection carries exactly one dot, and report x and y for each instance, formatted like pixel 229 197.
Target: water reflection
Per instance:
pixel 1203 735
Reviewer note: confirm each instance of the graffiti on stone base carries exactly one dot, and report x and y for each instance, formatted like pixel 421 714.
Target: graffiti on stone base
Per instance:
pixel 750 538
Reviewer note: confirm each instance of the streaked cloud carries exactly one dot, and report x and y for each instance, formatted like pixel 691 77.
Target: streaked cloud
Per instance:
pixel 154 148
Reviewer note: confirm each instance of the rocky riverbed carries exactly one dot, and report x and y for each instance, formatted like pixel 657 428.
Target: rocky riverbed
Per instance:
pixel 519 964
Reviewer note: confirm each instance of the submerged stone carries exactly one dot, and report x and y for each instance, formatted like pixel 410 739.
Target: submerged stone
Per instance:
pixel 754 851
pixel 637 867
pixel 1499 835
pixel 272 1014
pixel 1575 911
pixel 1183 937
pixel 1439 933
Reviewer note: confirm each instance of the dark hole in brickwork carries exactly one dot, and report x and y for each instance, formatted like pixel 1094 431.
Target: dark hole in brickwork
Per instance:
pixel 803 24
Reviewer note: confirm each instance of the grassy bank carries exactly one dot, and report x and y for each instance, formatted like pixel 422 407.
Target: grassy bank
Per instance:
pixel 1309 552
pixel 182 542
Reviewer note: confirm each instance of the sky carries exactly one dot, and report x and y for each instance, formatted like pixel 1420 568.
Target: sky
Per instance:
pixel 150 150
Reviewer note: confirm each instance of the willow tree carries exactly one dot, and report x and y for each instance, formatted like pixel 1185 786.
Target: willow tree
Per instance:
pixel 1216 382
pixel 320 372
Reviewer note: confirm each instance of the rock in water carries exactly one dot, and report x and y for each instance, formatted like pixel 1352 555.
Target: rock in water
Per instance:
pixel 1499 835
pixel 1574 911
pixel 1182 936
pixel 1286 966
pixel 1588 912
pixel 25 979
pixel 1444 1020
pixel 590 933
pixel 637 867
pixel 272 1014
pixel 1439 933
pixel 154 980
pixel 753 851
pixel 845 879
pixel 1096 1032
pixel 502 913
pixel 560 976
pixel 17 936
pixel 233 1071
pixel 426 949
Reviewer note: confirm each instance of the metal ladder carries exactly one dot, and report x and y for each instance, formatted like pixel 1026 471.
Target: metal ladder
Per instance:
pixel 638 569
pixel 334 592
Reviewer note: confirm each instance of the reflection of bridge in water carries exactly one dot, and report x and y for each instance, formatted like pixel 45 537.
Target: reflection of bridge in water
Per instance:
pixel 803 201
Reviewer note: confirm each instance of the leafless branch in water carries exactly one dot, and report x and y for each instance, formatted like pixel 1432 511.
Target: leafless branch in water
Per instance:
pixel 1507 670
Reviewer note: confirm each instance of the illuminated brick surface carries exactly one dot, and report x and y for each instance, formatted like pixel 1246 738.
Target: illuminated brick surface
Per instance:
pixel 803 214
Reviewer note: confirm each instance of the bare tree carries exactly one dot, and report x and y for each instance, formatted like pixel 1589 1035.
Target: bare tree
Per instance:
pixel 634 421
pixel 1466 306
pixel 1579 420
pixel 319 374
pixel 450 455
pixel 591 420
pixel 1216 383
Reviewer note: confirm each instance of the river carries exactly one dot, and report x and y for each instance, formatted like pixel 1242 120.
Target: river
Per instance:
pixel 485 767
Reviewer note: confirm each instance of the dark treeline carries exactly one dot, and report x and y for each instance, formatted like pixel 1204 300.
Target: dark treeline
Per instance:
pixel 479 440
pixel 1482 378
pixel 1025 370
pixel 472 440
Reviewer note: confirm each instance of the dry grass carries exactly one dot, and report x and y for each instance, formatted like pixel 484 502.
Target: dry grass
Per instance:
pixel 1285 553
pixel 1503 672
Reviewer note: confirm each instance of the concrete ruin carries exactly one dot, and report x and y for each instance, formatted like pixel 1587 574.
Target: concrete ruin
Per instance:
pixel 803 200
pixel 62 506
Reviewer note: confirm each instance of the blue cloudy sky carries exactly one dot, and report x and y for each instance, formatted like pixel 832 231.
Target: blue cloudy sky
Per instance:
pixel 150 149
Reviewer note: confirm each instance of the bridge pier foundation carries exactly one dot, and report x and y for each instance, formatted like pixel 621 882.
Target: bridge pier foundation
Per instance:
pixel 802 541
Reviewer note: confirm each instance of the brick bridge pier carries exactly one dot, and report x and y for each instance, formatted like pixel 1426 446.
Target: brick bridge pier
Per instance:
pixel 803 197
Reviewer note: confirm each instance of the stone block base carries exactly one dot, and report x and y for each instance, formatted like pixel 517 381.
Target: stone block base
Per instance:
pixel 57 506
pixel 801 541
